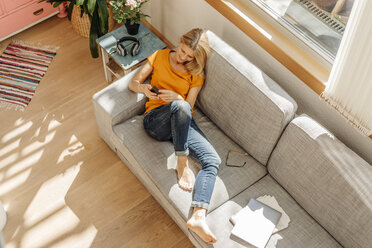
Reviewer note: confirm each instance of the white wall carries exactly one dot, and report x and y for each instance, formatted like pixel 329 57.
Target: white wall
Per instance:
pixel 175 17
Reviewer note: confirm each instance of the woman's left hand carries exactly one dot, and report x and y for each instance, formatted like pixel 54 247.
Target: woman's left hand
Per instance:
pixel 169 96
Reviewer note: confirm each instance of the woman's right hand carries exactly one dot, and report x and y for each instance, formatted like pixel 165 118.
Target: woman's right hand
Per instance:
pixel 146 90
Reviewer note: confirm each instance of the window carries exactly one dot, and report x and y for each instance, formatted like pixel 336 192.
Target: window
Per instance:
pixel 318 23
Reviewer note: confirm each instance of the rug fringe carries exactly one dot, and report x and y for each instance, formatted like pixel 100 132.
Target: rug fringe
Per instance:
pixel 359 125
pixel 11 106
pixel 36 46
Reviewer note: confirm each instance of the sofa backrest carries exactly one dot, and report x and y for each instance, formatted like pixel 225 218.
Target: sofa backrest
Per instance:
pixel 330 181
pixel 243 101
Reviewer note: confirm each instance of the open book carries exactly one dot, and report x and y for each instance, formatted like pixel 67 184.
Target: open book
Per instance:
pixel 256 223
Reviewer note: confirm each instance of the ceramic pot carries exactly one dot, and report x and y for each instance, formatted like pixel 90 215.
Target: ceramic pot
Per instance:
pixel 132 28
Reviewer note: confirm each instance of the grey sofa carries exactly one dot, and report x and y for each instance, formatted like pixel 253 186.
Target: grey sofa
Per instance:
pixel 323 186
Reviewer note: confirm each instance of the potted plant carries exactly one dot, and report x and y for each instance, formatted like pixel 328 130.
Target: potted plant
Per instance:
pixel 129 12
pixel 98 13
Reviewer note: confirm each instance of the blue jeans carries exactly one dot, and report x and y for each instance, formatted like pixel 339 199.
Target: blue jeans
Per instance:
pixel 174 122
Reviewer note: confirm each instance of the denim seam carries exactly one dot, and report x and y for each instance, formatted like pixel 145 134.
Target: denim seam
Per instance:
pixel 200 204
pixel 182 153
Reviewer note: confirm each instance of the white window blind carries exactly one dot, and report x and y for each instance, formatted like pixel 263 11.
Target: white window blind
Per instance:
pixel 349 89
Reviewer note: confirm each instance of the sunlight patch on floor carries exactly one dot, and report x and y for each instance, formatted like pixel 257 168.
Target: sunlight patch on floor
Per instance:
pixel 23 164
pixel 17 132
pixel 19 122
pixel 37 145
pixel 11 245
pixel 14 182
pixel 62 221
pixel 74 148
pixel 16 232
pixel 48 209
pixel 9 148
pixel 73 139
pixel 8 160
pixel 53 124
pixel 51 191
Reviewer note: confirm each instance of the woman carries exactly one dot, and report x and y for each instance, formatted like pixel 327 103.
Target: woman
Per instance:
pixel 168 117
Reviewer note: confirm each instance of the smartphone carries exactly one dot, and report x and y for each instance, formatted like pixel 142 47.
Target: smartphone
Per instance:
pixel 155 90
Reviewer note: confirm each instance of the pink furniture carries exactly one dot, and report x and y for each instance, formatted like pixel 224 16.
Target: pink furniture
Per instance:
pixel 62 10
pixel 17 15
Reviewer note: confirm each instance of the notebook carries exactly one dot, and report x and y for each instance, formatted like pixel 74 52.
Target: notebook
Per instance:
pixel 256 223
pixel 271 202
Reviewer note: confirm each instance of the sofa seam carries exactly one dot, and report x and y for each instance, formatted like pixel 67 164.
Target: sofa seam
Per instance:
pixel 275 105
pixel 254 182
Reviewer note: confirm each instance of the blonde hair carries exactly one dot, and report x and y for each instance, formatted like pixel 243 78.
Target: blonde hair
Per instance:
pixel 197 40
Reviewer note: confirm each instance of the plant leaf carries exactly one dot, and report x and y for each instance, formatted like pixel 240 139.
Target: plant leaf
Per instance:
pixel 103 15
pixel 79 2
pixel 70 9
pixel 93 35
pixel 85 7
pixel 91 6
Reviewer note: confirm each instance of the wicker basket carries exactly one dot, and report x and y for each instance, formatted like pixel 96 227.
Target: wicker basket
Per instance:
pixel 81 25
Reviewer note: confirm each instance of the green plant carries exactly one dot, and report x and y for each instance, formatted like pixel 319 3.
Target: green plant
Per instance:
pixel 128 10
pixel 97 10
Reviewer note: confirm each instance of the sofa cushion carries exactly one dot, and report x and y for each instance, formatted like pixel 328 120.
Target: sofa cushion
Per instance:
pixel 303 231
pixel 243 101
pixel 328 180
pixel 158 161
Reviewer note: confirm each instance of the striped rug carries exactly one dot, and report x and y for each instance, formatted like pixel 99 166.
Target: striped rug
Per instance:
pixel 22 66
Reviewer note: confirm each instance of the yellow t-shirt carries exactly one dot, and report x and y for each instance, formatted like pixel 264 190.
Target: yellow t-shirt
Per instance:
pixel 165 77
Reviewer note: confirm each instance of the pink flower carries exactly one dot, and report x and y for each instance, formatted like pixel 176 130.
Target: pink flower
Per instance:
pixel 131 3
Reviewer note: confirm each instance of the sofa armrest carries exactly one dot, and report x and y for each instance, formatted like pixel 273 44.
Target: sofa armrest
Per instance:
pixel 115 104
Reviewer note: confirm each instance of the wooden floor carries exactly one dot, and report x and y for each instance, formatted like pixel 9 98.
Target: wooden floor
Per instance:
pixel 61 184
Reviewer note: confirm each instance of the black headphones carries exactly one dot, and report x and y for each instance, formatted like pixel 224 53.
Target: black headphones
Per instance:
pixel 120 49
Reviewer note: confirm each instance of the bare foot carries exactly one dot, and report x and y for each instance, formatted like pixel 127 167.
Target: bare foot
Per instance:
pixel 186 178
pixel 198 225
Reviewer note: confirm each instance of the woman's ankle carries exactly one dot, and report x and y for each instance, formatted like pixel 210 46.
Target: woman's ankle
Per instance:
pixel 182 161
pixel 199 213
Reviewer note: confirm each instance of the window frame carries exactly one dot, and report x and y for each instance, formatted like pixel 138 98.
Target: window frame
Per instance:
pixel 296 35
pixel 276 40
